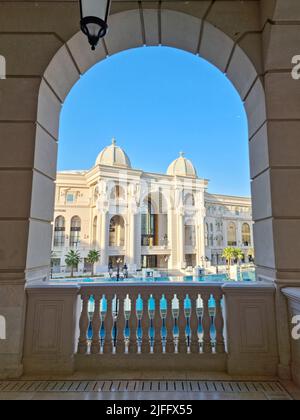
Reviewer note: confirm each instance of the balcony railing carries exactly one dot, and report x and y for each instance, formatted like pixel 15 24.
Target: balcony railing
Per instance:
pixel 140 328
pixel 157 319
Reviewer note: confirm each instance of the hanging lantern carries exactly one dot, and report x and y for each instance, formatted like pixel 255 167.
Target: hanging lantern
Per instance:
pixel 93 23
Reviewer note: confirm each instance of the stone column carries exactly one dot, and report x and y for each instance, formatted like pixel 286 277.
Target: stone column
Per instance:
pixel 104 240
pixel 275 159
pixel 180 239
pixel 239 234
pixel 131 245
pixel 225 237
pixel 171 239
pixel 200 237
pixel 138 243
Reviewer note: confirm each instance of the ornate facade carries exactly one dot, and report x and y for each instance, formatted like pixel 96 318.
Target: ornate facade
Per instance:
pixel 147 220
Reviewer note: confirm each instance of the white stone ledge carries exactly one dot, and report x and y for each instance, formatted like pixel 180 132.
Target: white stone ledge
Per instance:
pixel 37 288
pixel 247 288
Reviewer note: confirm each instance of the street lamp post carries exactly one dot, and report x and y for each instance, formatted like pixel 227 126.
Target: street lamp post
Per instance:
pixel 119 260
pixel 93 22
pixel 166 258
pixel 217 263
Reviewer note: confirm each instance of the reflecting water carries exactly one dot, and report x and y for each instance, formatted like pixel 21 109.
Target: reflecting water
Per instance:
pixel 244 276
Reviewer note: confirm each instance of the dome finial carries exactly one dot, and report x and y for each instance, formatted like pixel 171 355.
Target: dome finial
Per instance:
pixel 182 167
pixel 113 155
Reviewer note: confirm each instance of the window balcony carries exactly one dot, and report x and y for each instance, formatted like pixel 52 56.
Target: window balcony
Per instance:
pixel 156 250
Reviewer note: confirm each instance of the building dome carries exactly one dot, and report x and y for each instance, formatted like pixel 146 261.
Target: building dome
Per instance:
pixel 113 155
pixel 182 167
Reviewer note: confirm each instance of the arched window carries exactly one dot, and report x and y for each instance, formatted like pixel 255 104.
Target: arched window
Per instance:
pixel 117 193
pixel 231 234
pixel 189 200
pixel 246 234
pixel 117 232
pixel 75 232
pixel 190 235
pixel 59 232
pixel 95 224
pixel 149 224
pixel 2 328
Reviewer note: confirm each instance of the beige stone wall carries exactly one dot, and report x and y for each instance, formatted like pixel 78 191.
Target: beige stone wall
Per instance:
pixel 80 185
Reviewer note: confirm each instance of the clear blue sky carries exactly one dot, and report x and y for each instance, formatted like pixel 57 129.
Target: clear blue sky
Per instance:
pixel 157 102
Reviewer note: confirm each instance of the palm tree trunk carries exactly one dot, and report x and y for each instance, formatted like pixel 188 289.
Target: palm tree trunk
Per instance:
pixel 72 271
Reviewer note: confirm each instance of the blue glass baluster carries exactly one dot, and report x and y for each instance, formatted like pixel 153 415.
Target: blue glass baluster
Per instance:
pixel 139 330
pixel 103 312
pixel 127 314
pixel 188 313
pixel 151 312
pixel 199 310
pixel 175 313
pixel 114 333
pixel 212 312
pixel 163 314
pixel 91 310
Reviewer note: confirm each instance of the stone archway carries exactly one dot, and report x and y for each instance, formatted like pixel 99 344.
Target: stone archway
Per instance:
pixel 131 29
pixel 254 44
pixel 117 231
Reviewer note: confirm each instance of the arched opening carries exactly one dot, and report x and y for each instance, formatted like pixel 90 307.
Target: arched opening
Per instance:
pixel 149 224
pixel 59 232
pixel 233 60
pixel 75 231
pixel 246 234
pixel 2 328
pixel 154 220
pixel 117 232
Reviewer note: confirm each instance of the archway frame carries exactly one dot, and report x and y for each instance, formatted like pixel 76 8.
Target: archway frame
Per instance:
pixel 132 29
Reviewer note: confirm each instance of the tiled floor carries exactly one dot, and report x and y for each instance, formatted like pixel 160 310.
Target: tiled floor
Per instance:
pixel 146 390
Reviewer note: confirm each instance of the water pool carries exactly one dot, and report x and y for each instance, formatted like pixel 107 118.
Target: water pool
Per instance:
pixel 245 276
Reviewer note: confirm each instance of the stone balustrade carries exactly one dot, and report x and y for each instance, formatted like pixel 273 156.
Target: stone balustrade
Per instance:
pixel 151 319
pixel 151 328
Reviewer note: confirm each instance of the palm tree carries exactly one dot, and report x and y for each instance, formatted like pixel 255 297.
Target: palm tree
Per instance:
pixel 239 255
pixel 72 260
pixel 229 254
pixel 92 258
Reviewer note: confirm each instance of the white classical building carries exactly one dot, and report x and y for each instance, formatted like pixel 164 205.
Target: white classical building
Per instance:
pixel 146 220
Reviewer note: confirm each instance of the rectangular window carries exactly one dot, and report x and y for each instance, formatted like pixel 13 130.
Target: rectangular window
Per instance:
pixel 70 198
pixel 149 261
